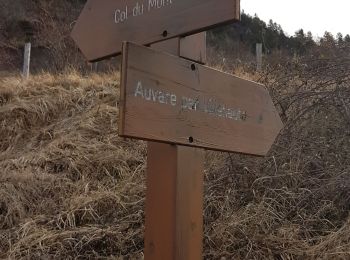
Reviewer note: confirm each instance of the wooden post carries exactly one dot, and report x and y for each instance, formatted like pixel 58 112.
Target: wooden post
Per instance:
pixel 258 56
pixel 174 197
pixel 194 47
pixel 26 63
pixel 174 202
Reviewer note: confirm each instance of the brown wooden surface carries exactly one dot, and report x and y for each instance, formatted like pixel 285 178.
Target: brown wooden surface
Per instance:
pixel 174 202
pixel 194 47
pixel 160 232
pixel 98 35
pixel 189 201
pixel 171 46
pixel 250 126
pixel 174 197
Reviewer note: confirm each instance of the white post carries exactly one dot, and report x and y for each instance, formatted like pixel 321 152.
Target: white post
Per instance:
pixel 95 64
pixel 26 63
pixel 258 56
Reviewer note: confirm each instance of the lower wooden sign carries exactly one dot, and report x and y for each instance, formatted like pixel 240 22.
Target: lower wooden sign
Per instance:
pixel 169 99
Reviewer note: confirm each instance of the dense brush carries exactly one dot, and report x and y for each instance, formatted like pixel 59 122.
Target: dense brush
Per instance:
pixel 71 188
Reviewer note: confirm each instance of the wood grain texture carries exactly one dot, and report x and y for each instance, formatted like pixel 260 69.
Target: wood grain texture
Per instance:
pixel 174 202
pixel 160 233
pixel 104 24
pixel 189 201
pixel 174 196
pixel 194 47
pixel 232 114
pixel 171 46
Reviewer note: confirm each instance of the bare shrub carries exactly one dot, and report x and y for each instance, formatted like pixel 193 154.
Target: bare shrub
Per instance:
pixel 71 188
pixel 295 203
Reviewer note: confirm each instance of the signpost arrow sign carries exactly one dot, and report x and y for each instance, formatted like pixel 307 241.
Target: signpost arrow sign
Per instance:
pixel 169 99
pixel 105 24
pixel 165 98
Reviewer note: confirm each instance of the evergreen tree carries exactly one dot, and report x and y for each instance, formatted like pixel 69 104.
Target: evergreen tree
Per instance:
pixel 340 39
pixel 328 40
pixel 252 30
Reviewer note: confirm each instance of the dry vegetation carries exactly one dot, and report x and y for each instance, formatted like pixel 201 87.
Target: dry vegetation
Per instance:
pixel 47 25
pixel 71 188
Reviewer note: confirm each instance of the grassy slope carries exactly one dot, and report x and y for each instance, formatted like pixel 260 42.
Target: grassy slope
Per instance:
pixel 70 187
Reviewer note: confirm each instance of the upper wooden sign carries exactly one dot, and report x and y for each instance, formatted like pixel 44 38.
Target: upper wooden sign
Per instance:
pixel 105 24
pixel 169 99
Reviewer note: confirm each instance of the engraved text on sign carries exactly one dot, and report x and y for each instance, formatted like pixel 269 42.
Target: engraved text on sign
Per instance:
pixel 138 9
pixel 166 98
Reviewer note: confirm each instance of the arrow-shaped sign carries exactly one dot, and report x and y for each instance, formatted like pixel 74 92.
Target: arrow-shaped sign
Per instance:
pixel 169 99
pixel 105 24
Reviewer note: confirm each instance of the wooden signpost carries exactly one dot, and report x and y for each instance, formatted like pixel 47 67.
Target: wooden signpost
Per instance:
pixel 105 24
pixel 192 47
pixel 174 197
pixel 170 99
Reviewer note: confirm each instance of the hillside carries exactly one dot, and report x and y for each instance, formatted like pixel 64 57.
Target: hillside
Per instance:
pixel 71 188
pixel 47 25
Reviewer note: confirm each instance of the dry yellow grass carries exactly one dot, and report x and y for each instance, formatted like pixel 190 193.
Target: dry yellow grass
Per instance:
pixel 68 184
pixel 71 188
